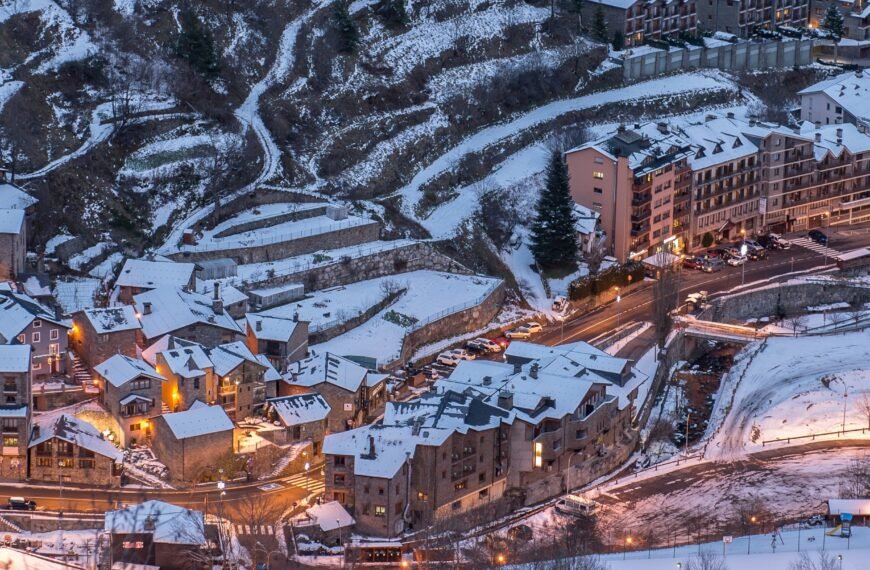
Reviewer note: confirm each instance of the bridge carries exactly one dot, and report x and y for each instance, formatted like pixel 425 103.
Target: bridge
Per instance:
pixel 710 330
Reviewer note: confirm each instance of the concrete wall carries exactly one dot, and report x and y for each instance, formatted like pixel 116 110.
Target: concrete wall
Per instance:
pixel 790 299
pixel 258 197
pixel 741 56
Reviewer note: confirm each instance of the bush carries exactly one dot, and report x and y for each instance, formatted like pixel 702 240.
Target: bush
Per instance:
pixel 707 240
pixel 617 276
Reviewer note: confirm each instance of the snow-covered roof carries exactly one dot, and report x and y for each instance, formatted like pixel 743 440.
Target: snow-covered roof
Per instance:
pixel 854 254
pixel 120 369
pixel 36 284
pixel 849 91
pixel 228 294
pixel 188 361
pixel 330 516
pixel 13 558
pixel 270 375
pixel 145 274
pixel 14 198
pixel 130 398
pixel 170 524
pixel 300 409
pixel 173 308
pixel 327 367
pixel 201 420
pixel 648 146
pixel 112 319
pixel 587 219
pixel 717 140
pixel 78 432
pixel 227 357
pixel 13 411
pixel 621 4
pixel 11 221
pixel 17 311
pixel 834 139
pixel 271 328
pixel 567 359
pixel 14 357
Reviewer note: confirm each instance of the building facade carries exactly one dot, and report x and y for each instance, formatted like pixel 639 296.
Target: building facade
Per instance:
pixel 15 410
pixel 99 334
pixel 25 321
pixel 131 390
pixel 70 450
pixel 743 17
pixel 642 20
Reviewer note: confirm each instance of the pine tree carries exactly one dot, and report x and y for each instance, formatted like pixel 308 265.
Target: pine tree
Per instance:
pixel 195 44
pixel 554 230
pixel 618 41
pixel 576 7
pixel 393 11
pixel 346 26
pixel 833 21
pixel 599 25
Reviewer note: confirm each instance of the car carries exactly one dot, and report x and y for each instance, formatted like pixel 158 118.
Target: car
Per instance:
pixel 502 341
pixel 454 357
pixel 20 504
pixel 697 298
pixel 520 333
pixel 533 327
pixel 484 345
pixel 768 242
pixel 732 251
pixel 736 260
pixel 560 303
pixel 713 265
pixel 816 520
pixel 818 236
pixel 693 263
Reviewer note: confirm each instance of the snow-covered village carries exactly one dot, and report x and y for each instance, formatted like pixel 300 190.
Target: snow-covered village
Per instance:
pixel 444 284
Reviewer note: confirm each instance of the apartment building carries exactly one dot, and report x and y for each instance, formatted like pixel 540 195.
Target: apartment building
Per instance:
pixel 840 99
pixel 743 17
pixel 641 20
pixel 856 22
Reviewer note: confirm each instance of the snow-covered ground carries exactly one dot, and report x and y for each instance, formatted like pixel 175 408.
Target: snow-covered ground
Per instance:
pixel 74 294
pixel 430 295
pixel 79 260
pixel 330 307
pixel 791 387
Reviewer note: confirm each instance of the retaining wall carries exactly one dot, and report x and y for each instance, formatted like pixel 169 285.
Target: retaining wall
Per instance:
pixel 332 332
pixel 259 197
pixel 290 216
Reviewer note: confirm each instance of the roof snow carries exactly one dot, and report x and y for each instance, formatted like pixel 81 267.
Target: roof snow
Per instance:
pixel 17 311
pixel 14 357
pixel 145 274
pixel 329 368
pixel 188 361
pixel 202 420
pixel 14 198
pixel 78 432
pixel 11 221
pixel 330 516
pixel 228 357
pixel 271 328
pixel 173 308
pixel 170 523
pixel 577 355
pixel 849 91
pixel 113 319
pixel 300 409
pixel 834 139
pixel 271 375
pixel 120 369
pixel 587 219
pixel 12 558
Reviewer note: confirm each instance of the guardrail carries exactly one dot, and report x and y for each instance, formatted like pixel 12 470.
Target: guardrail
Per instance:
pixel 813 436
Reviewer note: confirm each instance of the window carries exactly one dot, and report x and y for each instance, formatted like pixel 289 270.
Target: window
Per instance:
pixel 53 334
pixel 598 160
pixel 87 463
pixel 338 461
pixel 456 505
pixel 66 462
pixel 54 348
pixel 134 427
pixel 196 383
pixel 598 175
pixel 10 441
pixel 35 337
pixel 141 384
pixel 598 190
pixel 421 496
pixel 37 323
pixel 380 510
pixel 484 493
pixel 459 485
pixel 481 478
pixel 338 479
pixel 380 491
pixel 43 461
pixel 37 365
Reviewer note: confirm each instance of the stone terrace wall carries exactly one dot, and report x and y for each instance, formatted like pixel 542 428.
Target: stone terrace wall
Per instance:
pixel 791 299
pixel 258 197
pixel 330 332
pixel 290 216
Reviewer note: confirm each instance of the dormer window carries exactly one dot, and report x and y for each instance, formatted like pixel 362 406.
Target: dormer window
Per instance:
pixel 700 153
pixel 737 143
pixel 717 149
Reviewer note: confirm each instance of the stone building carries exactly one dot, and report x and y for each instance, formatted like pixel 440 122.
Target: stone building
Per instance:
pixel 304 417
pixel 282 341
pixel 189 443
pixel 99 334
pixel 239 379
pixel 184 314
pixel 15 409
pixel 140 275
pixel 132 392
pixel 67 449
pixel 642 20
pixel 25 321
pixel 188 371
pixel 16 212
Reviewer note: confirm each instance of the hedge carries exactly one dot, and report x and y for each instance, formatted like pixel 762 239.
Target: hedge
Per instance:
pixel 616 276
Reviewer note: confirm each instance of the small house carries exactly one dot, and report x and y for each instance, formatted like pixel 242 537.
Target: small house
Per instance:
pixel 189 442
pixel 131 389
pixel 98 334
pixel 304 417
pixel 68 449
pixel 140 275
pixel 282 341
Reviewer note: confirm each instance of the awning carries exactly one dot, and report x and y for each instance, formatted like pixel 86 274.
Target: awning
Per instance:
pixel 726 226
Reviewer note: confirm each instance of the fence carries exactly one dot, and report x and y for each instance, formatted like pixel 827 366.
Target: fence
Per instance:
pixel 455 308
pixel 813 436
pixel 728 57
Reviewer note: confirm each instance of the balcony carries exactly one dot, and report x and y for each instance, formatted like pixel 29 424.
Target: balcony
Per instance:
pixel 226 389
pixel 639 200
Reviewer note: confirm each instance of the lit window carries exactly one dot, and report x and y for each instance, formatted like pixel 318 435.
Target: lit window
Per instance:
pixel 539 452
pixel 598 175
pixel 380 510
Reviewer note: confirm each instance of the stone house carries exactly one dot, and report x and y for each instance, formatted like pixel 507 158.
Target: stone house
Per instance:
pixel 184 314
pixel 16 212
pixel 190 442
pixel 235 302
pixel 326 523
pixel 304 417
pixel 15 409
pixel 353 392
pixel 282 341
pixel 71 450
pixel 188 371
pixel 132 392
pixel 155 534
pixel 140 275
pixel 99 334
pixel 239 379
pixel 25 321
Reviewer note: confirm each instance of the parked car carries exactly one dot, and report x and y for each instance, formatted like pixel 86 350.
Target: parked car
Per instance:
pixel 754 250
pixel 780 241
pixel 816 520
pixel 533 327
pixel 713 265
pixel 521 333
pixel 735 260
pixel 454 357
pixel 693 263
pixel 484 345
pixel 20 504
pixel 502 341
pixel 697 298
pixel 818 236
pixel 768 242
pixel 560 303
pixel 576 505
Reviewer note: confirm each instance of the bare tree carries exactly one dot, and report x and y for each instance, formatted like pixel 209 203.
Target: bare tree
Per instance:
pixel 795 322
pixel 856 310
pixel 822 561
pixel 665 291
pixel 706 560
pixel 864 407
pixel 856 483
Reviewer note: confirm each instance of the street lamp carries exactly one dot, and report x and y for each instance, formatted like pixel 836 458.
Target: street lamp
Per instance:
pixel 307 466
pixel 840 559
pixel 500 559
pixel 618 299
pixel 628 541
pixel 338 524
pixel 752 520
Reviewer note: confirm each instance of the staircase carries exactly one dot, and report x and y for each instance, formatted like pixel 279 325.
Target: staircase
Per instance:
pixel 8 526
pixel 164 408
pixel 81 374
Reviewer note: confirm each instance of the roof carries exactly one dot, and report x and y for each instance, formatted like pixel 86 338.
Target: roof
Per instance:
pixel 327 367
pixel 14 357
pixel 173 308
pixel 661 259
pixel 145 274
pixel 716 140
pixel 120 369
pixel 621 4
pixel 202 420
pixel 11 221
pixel 228 357
pixel 330 516
pixel 647 146
pixel 17 311
pixel 73 430
pixel 271 375
pixel 849 91
pixel 568 359
pixel 112 319
pixel 300 409
pixel 14 198
pixel 834 139
pixel 851 506
pixel 271 328
pixel 187 361
pixel 854 254
pixel 19 559
pixel 171 524
pixel 130 398
pixel 587 219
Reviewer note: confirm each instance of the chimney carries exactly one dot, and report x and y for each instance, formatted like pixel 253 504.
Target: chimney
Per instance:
pixel 58 312
pixel 818 125
pixel 751 122
pixel 533 371
pixel 839 132
pixel 296 317
pixel 620 129
pixel 146 308
pixel 859 74
pixel 217 291
pixel 259 325
pixel 505 400
pixel 730 115
pixel 372 452
pixel 487 380
pixel 517 367
pixel 662 127
pixel 637 126
pixel 818 137
pixel 217 304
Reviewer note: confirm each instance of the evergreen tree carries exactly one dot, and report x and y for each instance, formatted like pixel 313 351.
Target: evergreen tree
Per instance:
pixel 195 44
pixel 599 25
pixel 393 11
pixel 576 7
pixel 618 41
pixel 833 21
pixel 554 229
pixel 346 26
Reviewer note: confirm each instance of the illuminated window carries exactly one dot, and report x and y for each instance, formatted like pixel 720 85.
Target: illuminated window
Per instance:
pixel 380 510
pixel 598 175
pixel 539 452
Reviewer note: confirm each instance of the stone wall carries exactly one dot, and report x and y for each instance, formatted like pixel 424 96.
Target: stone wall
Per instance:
pixel 46 523
pixel 290 216
pixel 344 237
pixel 413 257
pixel 789 299
pixel 259 197
pixel 324 335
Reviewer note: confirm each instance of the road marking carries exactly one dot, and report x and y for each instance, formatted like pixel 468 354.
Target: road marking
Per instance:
pixel 807 243
pixel 270 487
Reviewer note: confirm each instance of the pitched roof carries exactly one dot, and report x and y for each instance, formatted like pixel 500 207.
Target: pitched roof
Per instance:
pixel 120 369
pixel 271 328
pixel 112 319
pixel 330 516
pixel 849 91
pixel 173 308
pixel 79 432
pixel 145 274
pixel 187 361
pixel 227 357
pixel 14 357
pixel 169 523
pixel 17 311
pixel 300 409
pixel 201 420
pixel 11 221
pixel 14 198
pixel 329 368
pixel 13 558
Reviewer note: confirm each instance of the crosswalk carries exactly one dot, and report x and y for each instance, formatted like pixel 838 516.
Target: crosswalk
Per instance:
pixel 807 243
pixel 263 529
pixel 313 482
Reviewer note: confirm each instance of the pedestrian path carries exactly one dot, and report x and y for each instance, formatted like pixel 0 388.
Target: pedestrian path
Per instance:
pixel 807 243
pixel 312 482
pixel 263 529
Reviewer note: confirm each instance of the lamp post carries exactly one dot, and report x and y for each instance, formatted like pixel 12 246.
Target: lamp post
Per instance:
pixel 618 299
pixel 628 541
pixel 840 560
pixel 752 520
pixel 338 524
pixel 845 399
pixel 307 466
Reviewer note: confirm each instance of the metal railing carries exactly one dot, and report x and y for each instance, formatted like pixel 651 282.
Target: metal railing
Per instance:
pixel 454 309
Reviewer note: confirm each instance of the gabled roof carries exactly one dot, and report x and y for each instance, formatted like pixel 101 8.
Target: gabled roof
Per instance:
pixel 112 319
pixel 78 432
pixel 300 409
pixel 120 369
pixel 173 308
pixel 330 516
pixel 197 421
pixel 271 375
pixel 187 361
pixel 170 524
pixel 329 368
pixel 849 91
pixel 14 358
pixel 271 328
pixel 17 311
pixel 228 357
pixel 145 274
pixel 14 198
